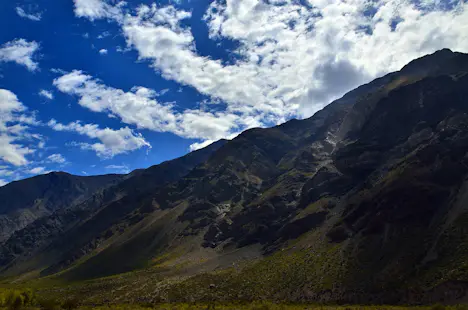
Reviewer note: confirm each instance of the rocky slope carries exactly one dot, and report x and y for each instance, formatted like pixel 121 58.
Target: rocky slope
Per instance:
pixel 43 240
pixel 363 202
pixel 24 201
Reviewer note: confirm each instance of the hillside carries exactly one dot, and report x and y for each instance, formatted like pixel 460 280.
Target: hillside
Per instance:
pixel 91 217
pixel 24 201
pixel 364 202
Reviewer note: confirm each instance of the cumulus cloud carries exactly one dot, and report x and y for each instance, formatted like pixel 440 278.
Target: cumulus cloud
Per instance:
pixel 14 125
pixel 13 153
pixel 293 56
pixel 31 16
pixel 140 107
pixel 103 51
pixel 56 158
pixel 95 9
pixel 46 94
pixel 325 48
pixel 20 51
pixel 112 142
pixel 157 35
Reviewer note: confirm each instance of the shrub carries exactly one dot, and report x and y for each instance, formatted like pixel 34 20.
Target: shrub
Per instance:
pixel 29 297
pixel 14 300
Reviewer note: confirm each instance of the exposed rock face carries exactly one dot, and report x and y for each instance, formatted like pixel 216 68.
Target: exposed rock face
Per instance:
pixel 378 178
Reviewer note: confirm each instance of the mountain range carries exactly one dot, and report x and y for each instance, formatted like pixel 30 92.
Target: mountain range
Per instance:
pixel 364 202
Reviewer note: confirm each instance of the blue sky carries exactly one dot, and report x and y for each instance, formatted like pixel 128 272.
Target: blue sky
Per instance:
pixel 95 86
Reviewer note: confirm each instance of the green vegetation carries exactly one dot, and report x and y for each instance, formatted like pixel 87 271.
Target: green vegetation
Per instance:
pixel 272 306
pixel 17 299
pixel 286 275
pixel 27 299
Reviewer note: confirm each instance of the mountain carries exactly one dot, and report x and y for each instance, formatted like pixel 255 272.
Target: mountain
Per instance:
pixel 24 201
pixel 90 215
pixel 364 202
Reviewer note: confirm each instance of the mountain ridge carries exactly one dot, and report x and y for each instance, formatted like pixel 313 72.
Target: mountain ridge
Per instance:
pixel 44 230
pixel 25 201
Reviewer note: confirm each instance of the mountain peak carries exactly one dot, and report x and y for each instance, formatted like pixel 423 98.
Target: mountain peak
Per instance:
pixel 431 63
pixel 444 50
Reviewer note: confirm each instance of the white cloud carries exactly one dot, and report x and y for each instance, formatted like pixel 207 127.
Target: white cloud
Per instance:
pixel 95 9
pixel 14 125
pixel 292 58
pixel 58 71
pixel 31 16
pixel 139 107
pixel 20 51
pixel 3 182
pixel 46 94
pixel 13 153
pixel 162 92
pixel 103 35
pixel 38 170
pixel 200 145
pixel 5 172
pixel 10 104
pixel 115 167
pixel 156 34
pixel 103 51
pixel 120 49
pixel 56 158
pixel 119 168
pixel 112 142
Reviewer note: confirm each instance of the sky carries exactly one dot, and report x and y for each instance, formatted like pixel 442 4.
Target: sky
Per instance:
pixel 106 86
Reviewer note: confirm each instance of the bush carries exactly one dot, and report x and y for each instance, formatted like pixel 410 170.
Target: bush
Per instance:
pixel 29 298
pixel 17 299
pixel 14 300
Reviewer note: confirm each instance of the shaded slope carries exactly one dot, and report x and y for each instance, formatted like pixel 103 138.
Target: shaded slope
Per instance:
pixel 24 201
pixel 68 234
